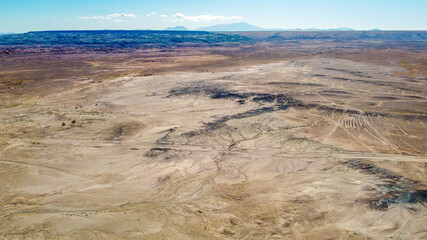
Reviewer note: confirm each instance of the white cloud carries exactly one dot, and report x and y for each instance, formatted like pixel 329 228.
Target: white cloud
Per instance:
pixel 151 14
pixel 114 15
pixel 179 17
pixel 163 15
pixel 91 18
pixel 111 16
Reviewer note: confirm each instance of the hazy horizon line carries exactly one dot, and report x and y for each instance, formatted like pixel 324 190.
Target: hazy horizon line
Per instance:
pixel 263 30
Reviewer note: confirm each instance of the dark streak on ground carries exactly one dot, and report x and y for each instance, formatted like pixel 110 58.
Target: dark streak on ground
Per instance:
pixel 165 139
pixel 297 83
pixel 399 190
pixel 280 101
pixel 359 74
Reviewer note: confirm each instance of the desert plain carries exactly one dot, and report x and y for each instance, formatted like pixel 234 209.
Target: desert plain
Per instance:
pixel 270 136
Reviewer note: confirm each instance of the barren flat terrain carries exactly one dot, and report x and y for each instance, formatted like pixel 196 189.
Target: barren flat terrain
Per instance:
pixel 260 140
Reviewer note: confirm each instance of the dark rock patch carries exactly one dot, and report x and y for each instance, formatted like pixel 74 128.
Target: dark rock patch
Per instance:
pixel 398 190
pixel 154 152
pixel 411 197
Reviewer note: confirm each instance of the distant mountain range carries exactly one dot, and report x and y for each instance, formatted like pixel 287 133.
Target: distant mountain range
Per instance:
pixel 242 26
pixel 317 29
pixel 237 27
pixel 177 28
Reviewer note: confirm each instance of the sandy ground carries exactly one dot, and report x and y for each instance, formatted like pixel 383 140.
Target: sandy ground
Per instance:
pixel 314 148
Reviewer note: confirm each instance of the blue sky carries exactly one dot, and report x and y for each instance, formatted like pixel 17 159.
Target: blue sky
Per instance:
pixel 31 15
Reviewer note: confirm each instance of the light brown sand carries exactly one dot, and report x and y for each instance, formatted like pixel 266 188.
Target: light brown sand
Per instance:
pixel 142 163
